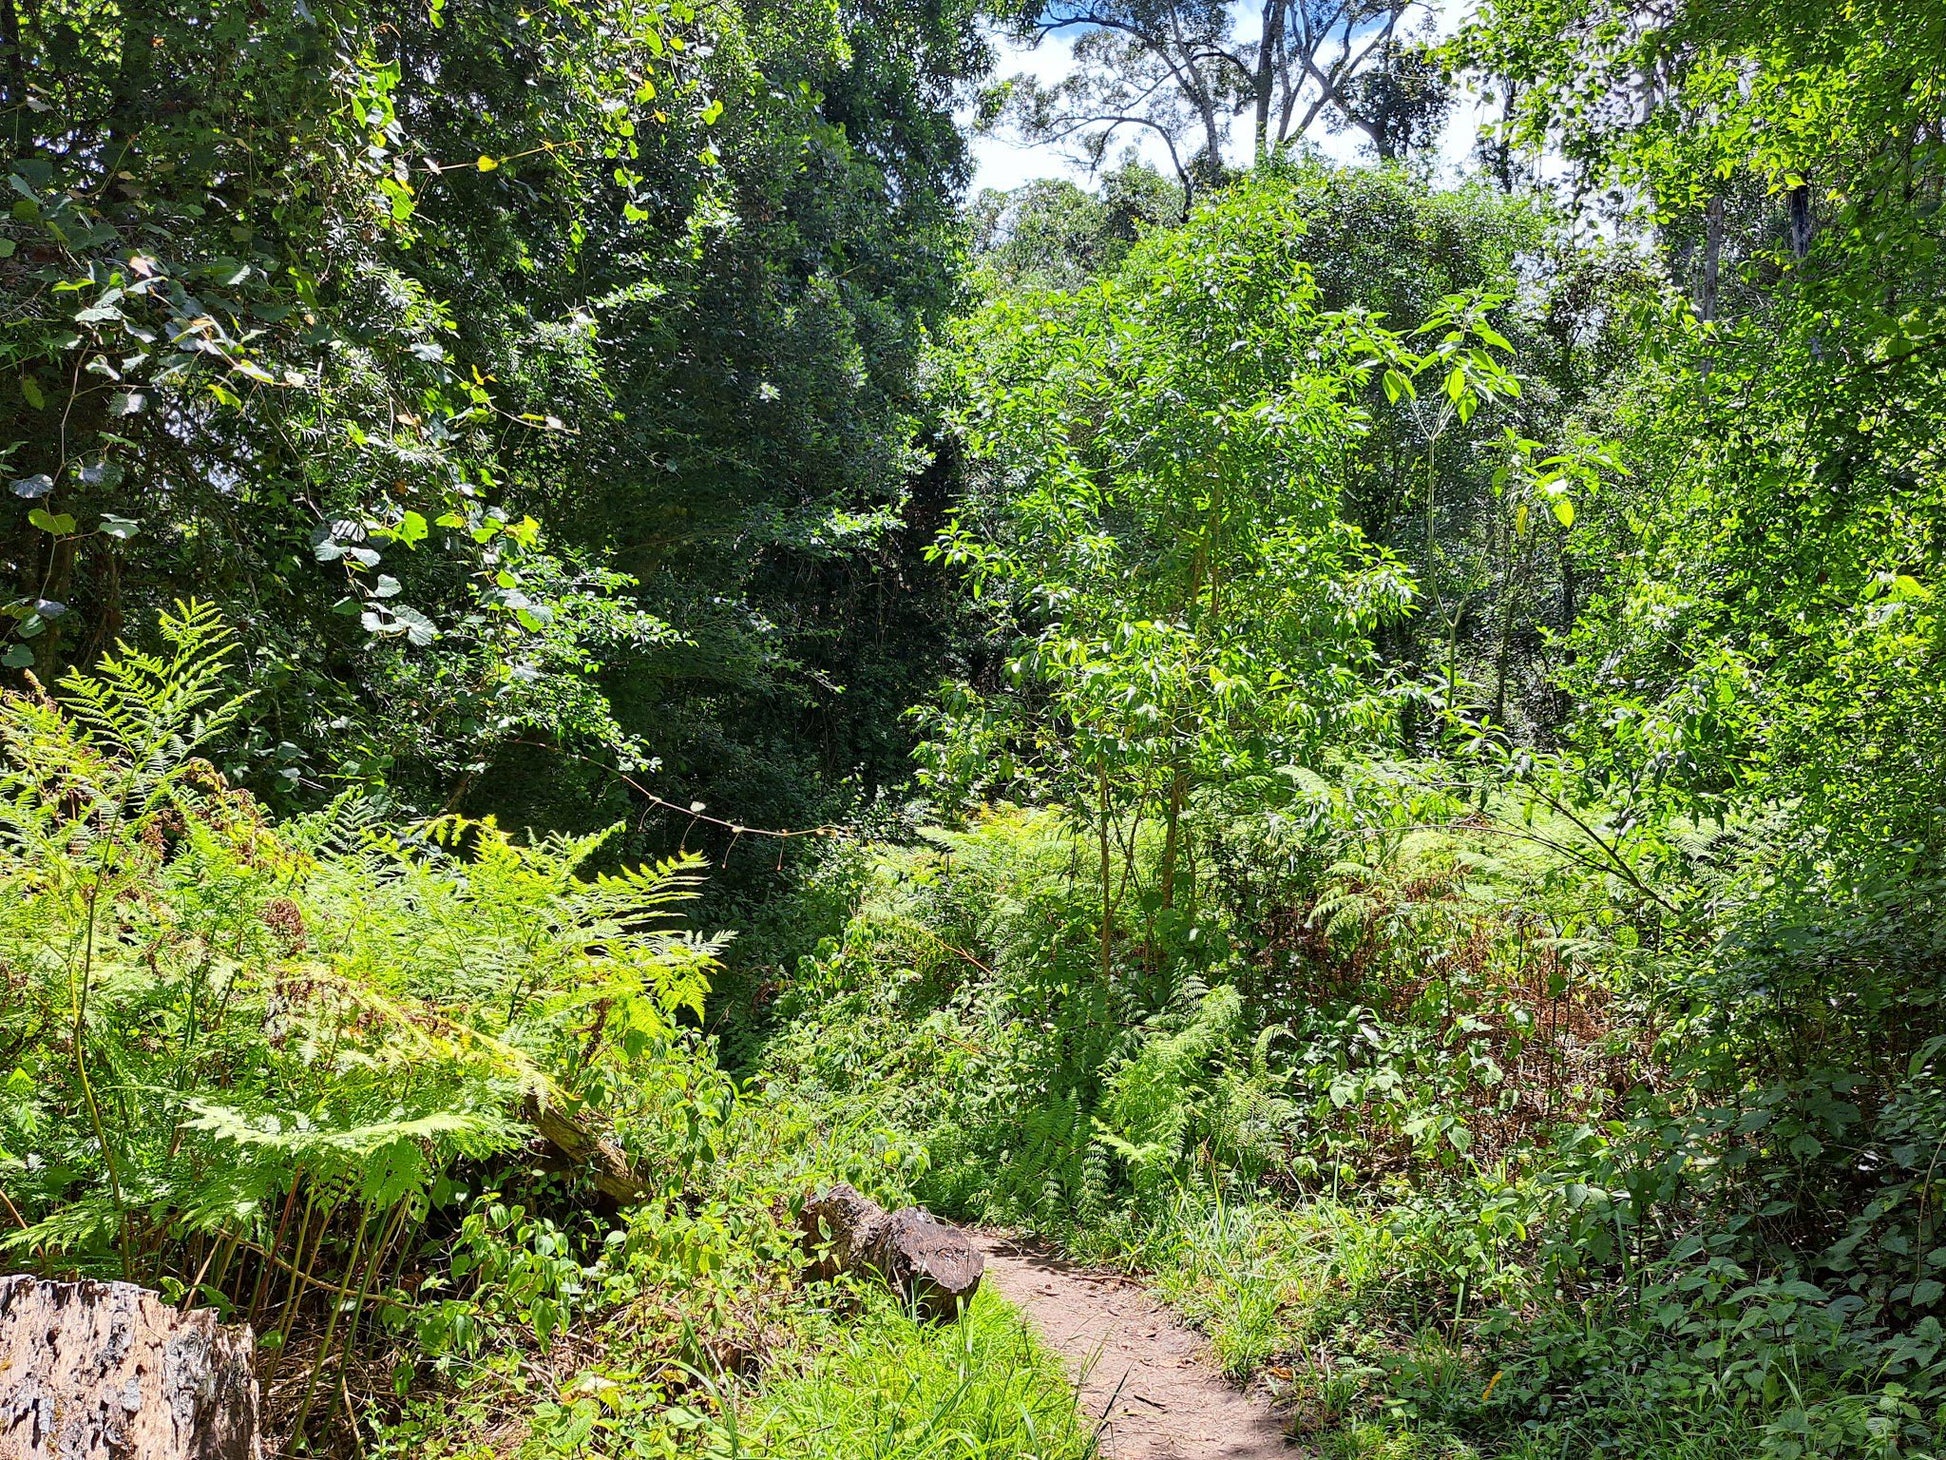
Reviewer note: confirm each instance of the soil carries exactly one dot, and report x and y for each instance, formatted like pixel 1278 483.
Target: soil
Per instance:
pixel 1138 1369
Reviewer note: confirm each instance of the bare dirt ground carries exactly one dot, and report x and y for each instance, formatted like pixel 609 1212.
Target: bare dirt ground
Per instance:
pixel 1135 1365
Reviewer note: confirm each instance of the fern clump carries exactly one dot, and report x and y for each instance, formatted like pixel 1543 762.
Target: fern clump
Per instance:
pixel 256 1062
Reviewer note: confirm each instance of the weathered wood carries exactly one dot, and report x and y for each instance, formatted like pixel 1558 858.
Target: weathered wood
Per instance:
pixel 928 1260
pixel 604 1162
pixel 109 1371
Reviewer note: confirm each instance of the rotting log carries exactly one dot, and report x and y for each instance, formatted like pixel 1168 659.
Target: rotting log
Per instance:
pixel 109 1371
pixel 581 1145
pixel 931 1262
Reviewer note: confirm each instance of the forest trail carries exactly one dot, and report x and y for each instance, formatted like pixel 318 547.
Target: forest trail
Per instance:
pixel 1137 1364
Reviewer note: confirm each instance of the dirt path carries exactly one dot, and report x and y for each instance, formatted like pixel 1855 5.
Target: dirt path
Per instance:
pixel 1136 1364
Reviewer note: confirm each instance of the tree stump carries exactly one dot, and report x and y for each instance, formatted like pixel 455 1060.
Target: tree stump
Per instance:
pixel 928 1260
pixel 109 1371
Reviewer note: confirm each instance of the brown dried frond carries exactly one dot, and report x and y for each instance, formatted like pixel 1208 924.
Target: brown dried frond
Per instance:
pixel 286 919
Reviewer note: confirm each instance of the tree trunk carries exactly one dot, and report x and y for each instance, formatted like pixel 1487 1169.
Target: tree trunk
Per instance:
pixel 1172 836
pixel 1267 52
pixel 583 1147
pixel 1800 220
pixel 1712 258
pixel 108 1371
pixel 1107 901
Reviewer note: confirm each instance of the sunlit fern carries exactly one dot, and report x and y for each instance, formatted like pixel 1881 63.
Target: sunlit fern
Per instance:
pixel 242 1052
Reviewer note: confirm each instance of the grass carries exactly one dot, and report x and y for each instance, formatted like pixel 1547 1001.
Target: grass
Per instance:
pixel 1336 1304
pixel 1264 1281
pixel 883 1385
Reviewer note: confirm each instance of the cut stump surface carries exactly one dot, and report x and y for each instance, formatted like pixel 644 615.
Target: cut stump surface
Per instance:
pixel 109 1371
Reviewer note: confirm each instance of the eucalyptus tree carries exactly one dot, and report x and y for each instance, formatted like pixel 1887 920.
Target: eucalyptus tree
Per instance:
pixel 1181 71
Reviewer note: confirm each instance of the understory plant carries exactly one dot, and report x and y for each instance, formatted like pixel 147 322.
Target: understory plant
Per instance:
pixel 271 1066
pixel 427 1106
pixel 1429 1112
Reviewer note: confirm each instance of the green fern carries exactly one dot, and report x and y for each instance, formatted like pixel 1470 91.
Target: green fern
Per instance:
pixel 247 1052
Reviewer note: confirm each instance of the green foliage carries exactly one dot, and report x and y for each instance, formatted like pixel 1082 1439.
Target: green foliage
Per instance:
pixel 1463 669
pixel 218 235
pixel 1051 234
pixel 526 379
pixel 254 1062
pixel 1526 1222
pixel 890 1389
pixel 293 1070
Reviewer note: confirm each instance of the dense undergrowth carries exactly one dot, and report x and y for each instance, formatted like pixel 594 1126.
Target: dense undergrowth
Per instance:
pixel 1435 1125
pixel 1369 748
pixel 297 1070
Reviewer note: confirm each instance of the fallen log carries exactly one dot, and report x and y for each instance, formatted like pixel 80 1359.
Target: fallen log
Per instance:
pixel 929 1261
pixel 581 1145
pixel 109 1371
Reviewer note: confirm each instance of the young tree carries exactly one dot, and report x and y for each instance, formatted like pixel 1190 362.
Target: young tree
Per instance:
pixel 1153 525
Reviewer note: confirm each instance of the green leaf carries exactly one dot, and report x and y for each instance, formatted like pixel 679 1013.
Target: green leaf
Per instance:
pixel 58 523
pixel 30 391
pixel 18 657
pixel 119 528
pixel 418 628
pixel 1563 511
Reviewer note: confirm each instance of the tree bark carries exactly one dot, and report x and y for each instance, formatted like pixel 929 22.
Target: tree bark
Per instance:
pixel 1172 835
pixel 109 1371
pixel 928 1260
pixel 605 1163
pixel 1712 258
pixel 1268 50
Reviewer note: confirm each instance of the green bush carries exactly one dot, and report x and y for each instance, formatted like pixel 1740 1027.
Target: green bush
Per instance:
pixel 294 1070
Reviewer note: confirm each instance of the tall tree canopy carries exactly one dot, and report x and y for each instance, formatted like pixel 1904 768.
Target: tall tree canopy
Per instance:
pixel 524 373
pixel 1181 74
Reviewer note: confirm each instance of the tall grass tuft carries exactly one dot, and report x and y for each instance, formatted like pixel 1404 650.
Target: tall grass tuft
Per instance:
pixel 889 1387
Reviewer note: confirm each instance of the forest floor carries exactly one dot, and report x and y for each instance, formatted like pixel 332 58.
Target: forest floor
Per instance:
pixel 1140 1372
